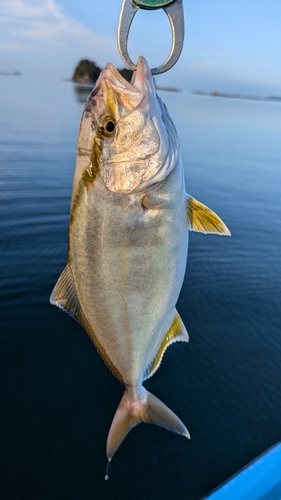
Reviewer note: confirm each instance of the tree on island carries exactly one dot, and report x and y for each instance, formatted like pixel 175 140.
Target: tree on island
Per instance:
pixel 88 72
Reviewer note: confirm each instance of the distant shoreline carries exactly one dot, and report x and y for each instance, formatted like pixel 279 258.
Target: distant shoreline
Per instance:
pixel 92 84
pixel 11 73
pixel 237 96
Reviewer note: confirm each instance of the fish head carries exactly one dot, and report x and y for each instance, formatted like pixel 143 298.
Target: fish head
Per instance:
pixel 134 142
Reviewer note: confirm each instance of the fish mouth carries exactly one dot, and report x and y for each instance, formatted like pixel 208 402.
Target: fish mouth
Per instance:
pixel 141 76
pixel 130 95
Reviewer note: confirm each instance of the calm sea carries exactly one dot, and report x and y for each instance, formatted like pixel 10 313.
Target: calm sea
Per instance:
pixel 57 396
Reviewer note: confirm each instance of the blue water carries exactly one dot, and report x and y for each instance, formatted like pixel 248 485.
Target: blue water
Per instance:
pixel 57 396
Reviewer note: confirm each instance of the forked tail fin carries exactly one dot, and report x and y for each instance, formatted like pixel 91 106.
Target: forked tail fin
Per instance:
pixel 140 407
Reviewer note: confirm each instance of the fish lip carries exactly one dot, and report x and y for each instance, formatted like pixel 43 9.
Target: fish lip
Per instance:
pixel 142 77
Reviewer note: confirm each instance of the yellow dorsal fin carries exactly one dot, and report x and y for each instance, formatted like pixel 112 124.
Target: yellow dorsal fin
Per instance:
pixel 64 296
pixel 176 333
pixel 203 220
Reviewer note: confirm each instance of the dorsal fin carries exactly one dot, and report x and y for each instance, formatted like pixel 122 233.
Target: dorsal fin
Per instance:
pixel 65 297
pixel 176 333
pixel 203 220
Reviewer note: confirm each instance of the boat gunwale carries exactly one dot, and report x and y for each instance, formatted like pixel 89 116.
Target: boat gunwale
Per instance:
pixel 247 466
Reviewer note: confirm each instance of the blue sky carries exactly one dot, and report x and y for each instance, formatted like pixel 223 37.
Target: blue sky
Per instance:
pixel 229 46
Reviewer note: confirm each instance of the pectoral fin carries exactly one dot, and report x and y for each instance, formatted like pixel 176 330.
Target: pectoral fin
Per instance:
pixel 64 296
pixel 176 333
pixel 149 205
pixel 203 220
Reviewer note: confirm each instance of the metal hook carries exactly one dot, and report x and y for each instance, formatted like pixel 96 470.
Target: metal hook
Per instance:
pixel 174 12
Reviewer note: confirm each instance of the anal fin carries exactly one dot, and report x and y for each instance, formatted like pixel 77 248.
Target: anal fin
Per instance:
pixel 203 220
pixel 64 296
pixel 176 333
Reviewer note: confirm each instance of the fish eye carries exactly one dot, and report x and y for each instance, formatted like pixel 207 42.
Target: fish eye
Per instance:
pixel 110 126
pixel 107 126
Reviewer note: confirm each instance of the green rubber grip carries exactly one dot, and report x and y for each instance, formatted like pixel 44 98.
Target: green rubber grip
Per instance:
pixel 151 4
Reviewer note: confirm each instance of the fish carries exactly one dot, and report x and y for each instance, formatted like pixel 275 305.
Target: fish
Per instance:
pixel 130 219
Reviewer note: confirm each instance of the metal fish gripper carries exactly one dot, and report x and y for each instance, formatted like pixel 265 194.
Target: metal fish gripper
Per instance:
pixel 174 12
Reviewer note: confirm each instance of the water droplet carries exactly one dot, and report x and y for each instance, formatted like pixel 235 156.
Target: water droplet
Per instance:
pixel 106 472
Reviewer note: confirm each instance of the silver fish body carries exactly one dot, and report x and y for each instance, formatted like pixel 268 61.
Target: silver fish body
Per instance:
pixel 128 264
pixel 128 240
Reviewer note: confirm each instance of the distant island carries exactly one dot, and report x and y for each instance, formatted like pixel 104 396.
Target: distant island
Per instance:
pixel 88 72
pixel 237 96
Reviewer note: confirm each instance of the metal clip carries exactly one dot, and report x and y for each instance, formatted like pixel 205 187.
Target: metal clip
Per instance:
pixel 174 13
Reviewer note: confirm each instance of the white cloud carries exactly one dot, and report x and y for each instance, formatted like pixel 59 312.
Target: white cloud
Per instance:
pixel 30 9
pixel 41 26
